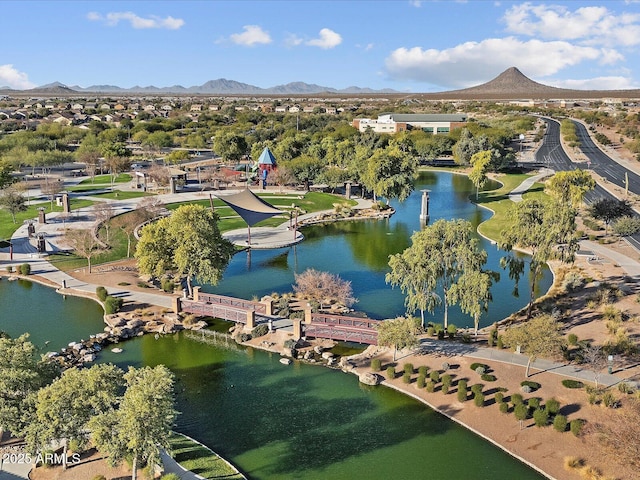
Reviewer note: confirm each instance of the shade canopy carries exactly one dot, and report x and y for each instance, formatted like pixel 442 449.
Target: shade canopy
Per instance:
pixel 250 207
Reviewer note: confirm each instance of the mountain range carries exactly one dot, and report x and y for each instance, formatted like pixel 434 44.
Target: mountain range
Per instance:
pixel 511 84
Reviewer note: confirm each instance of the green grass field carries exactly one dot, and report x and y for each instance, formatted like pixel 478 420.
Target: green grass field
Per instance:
pixel 200 460
pixel 498 201
pixel 106 179
pixel 7 227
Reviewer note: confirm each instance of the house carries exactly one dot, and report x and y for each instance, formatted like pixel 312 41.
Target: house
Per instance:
pixel 294 109
pixel 119 107
pixel 196 107
pixel 330 110
pixel 77 107
pixel 430 123
pixel 105 106
pixel 282 109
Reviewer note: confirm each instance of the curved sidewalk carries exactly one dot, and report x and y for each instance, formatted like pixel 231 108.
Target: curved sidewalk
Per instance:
pixel 515 195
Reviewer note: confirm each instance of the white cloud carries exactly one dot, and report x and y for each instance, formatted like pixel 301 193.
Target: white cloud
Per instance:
pixel 598 83
pixel 471 63
pixel 328 39
pixel 114 18
pixel 12 78
pixel 415 3
pixel 252 35
pixel 589 25
pixel 293 40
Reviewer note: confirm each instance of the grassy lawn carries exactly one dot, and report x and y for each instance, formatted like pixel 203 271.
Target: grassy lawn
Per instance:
pixel 200 460
pixel 7 227
pixel 498 201
pixel 106 179
pixel 118 251
pixel 121 195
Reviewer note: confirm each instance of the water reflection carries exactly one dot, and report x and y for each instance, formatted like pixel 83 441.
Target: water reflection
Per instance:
pixel 359 252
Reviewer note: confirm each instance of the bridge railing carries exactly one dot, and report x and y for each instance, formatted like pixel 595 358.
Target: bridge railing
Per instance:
pixel 225 312
pixel 346 334
pixel 232 302
pixel 325 318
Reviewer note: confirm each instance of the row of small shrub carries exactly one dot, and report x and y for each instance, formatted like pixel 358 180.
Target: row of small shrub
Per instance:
pixel 111 304
pixel 23 269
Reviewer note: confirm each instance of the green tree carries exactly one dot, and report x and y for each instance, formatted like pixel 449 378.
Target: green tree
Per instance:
pixel 84 243
pixel 142 423
pixel 158 140
pixel 468 145
pixel 390 173
pixel 177 156
pixel 12 201
pixel 545 231
pixel 538 337
pixel 626 226
pixel 305 168
pixel 5 173
pixel 188 242
pixel 230 146
pixel 472 292
pixel 64 408
pixel 398 333
pixel 480 163
pixel 440 255
pixel 570 187
pixel 22 374
pixel 609 209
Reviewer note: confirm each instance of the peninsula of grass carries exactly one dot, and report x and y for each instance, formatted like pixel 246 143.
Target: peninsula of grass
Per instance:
pixel 201 460
pixel 498 202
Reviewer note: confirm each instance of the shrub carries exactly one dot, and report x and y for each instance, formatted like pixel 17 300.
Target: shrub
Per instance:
pixel 487 377
pixel 504 407
pixel 590 473
pixel 571 463
pixel 445 389
pixel 569 383
pixel 624 387
pixel 99 477
pixel 533 403
pixel 75 445
pixel 477 388
pixel 500 343
pixel 406 378
pixel 466 338
pixel 452 330
pixel 391 373
pixel 499 396
pixel 446 382
pixel 525 389
pixel 25 269
pixel 434 376
pixel 517 399
pixel 10 270
pixel 521 411
pixel 441 335
pixel 376 364
pixel 478 400
pixel 552 406
pixel 408 368
pixel 540 417
pixel 167 285
pixel 422 370
pixel 462 391
pixel 431 331
pixel 260 330
pixel 431 387
pixel 445 366
pixel 420 382
pixel 532 385
pixel 245 337
pixel 112 305
pixel 475 365
pixel 576 426
pixel 101 293
pixel 609 400
pixel 572 339
pixel 560 423
pixel 143 284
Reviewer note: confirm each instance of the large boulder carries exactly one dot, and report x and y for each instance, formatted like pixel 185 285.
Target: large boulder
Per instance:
pixel 369 378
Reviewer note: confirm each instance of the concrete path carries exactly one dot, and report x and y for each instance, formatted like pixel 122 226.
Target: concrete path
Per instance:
pixel 436 347
pixel 629 265
pixel 516 194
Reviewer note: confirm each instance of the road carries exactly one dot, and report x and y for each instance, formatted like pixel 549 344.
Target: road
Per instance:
pixel 553 156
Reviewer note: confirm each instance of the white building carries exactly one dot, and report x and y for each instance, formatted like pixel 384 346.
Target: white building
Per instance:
pixel 398 122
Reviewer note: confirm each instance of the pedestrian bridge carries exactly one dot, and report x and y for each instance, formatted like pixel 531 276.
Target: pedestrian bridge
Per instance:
pixel 249 313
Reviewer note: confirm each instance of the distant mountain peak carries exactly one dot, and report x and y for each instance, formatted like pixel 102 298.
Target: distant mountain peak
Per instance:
pixel 511 81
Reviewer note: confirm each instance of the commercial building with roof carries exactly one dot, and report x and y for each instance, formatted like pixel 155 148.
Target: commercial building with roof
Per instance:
pixel 398 122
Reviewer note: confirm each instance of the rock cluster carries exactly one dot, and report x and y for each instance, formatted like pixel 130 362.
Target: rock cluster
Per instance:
pixel 119 327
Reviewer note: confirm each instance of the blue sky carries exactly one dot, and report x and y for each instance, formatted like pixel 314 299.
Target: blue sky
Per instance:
pixel 414 46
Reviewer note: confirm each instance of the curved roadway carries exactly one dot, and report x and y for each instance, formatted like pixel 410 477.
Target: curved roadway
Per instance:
pixel 553 156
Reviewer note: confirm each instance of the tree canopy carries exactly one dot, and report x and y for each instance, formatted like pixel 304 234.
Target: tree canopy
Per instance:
pixel 188 242
pixel 398 333
pixel 539 336
pixel 440 256
pixel 570 186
